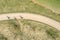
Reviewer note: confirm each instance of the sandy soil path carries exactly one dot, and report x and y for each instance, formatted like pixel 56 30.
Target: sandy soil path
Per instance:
pixel 35 17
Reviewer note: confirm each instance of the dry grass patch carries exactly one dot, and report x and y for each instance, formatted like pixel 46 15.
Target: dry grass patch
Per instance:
pixel 28 30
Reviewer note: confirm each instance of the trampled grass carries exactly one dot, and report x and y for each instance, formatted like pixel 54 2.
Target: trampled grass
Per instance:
pixel 28 30
pixel 12 6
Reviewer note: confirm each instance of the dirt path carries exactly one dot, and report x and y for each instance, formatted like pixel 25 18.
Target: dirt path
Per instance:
pixel 39 18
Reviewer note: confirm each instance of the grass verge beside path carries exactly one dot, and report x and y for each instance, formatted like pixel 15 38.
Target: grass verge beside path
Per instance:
pixel 53 4
pixel 28 30
pixel 12 6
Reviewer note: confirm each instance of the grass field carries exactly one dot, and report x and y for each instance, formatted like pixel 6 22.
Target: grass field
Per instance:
pixel 12 6
pixel 54 4
pixel 27 30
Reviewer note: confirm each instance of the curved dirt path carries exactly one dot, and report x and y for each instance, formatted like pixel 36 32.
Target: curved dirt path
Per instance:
pixel 35 17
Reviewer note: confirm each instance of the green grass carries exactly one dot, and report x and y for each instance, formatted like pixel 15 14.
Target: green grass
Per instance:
pixel 28 30
pixel 54 4
pixel 13 6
